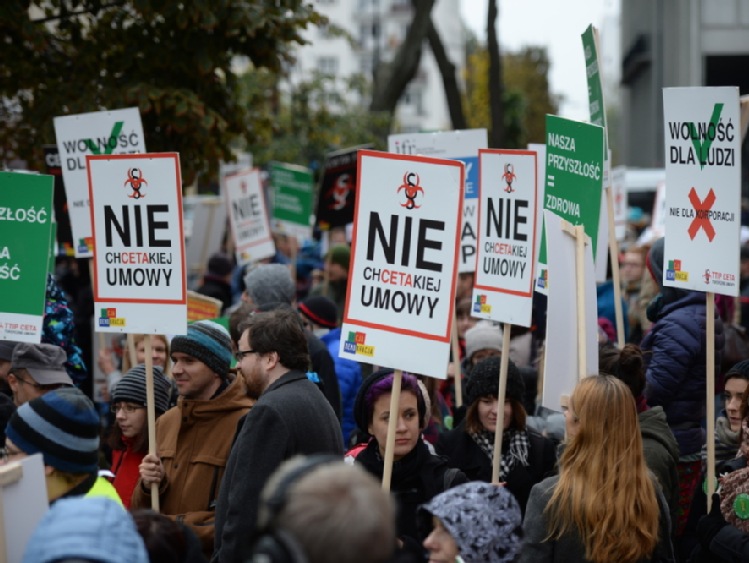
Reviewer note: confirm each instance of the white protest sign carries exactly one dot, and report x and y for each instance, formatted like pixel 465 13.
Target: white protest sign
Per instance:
pixel 97 133
pixel 561 365
pixel 619 191
pixel 23 501
pixel 139 261
pixel 703 173
pixel 460 145
pixel 507 236
pixel 248 216
pixel 404 261
pixel 205 218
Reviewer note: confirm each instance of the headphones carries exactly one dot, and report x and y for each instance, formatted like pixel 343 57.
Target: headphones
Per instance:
pixel 275 545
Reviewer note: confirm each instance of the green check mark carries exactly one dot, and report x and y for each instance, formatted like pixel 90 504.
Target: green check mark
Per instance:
pixel 116 129
pixel 703 147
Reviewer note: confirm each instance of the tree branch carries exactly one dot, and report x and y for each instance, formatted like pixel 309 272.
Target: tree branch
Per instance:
pixel 449 81
pixel 496 83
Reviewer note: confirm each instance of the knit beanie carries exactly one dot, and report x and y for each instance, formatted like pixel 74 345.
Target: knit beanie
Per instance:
pixel 740 369
pixel 63 426
pixel 268 284
pixel 362 412
pixel 320 310
pixel 207 342
pixel 88 529
pixel 132 388
pixel 654 261
pixel 484 335
pixel 484 380
pixel 483 519
pixel 220 265
pixel 340 255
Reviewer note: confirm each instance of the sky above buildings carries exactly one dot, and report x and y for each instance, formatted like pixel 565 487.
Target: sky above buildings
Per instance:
pixel 555 24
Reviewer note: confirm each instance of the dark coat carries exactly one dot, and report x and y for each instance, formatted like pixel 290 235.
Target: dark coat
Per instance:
pixel 291 417
pixel 661 454
pixel 676 356
pixel 465 454
pixel 324 367
pixel 218 288
pixel 348 375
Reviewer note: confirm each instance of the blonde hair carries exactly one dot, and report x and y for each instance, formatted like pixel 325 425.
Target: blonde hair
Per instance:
pixel 605 492
pixel 137 339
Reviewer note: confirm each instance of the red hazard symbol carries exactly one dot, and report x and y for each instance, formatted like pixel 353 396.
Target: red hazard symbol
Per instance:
pixel 702 220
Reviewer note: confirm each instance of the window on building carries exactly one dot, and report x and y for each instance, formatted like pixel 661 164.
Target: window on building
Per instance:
pixel 327 65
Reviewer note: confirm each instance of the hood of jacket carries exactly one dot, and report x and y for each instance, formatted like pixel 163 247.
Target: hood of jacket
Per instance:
pixel 654 425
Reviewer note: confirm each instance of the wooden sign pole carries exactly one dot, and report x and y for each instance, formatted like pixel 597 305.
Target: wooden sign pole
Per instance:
pixel 499 428
pixel 710 398
pixel 151 416
pixel 395 396
pixel 457 375
pixel 614 257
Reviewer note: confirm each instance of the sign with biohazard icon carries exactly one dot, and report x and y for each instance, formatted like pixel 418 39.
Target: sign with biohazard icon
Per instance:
pixel 248 216
pixel 337 197
pixel 703 200
pixel 139 250
pixel 508 189
pixel 404 259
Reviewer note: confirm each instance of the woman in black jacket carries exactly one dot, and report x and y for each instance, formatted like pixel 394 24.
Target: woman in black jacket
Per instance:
pixel 527 457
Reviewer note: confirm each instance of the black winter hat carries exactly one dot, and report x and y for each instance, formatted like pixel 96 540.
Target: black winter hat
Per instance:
pixel 320 310
pixel 132 388
pixel 740 369
pixel 220 265
pixel 484 380
pixel 361 409
pixel 654 261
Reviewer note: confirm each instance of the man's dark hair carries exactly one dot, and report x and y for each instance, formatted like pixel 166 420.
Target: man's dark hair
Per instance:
pixel 279 331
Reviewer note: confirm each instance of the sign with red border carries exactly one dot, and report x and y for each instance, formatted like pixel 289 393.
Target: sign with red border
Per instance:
pixel 248 216
pixel 139 250
pixel 404 260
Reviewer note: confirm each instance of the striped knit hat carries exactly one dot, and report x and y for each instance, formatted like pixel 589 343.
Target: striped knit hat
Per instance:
pixel 132 388
pixel 207 342
pixel 63 426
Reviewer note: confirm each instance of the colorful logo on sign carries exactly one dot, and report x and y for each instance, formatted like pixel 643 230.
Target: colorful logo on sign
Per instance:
pixel 85 244
pixel 509 177
pixel 136 181
pixel 108 317
pixel 481 306
pixel 675 273
pixel 543 279
pixel 412 189
pixel 355 344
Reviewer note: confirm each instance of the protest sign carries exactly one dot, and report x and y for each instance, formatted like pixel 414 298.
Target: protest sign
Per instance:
pixel 337 196
pixel 460 145
pixel 292 187
pixel 205 226
pixel 201 307
pixel 562 368
pixel 139 261
pixel 248 216
pixel 97 133
pixel 574 177
pixel 25 237
pixel 503 290
pixel 619 193
pixel 596 107
pixel 401 287
pixel 23 503
pixel 703 174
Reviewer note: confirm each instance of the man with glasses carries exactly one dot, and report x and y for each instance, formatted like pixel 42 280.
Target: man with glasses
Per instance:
pixel 290 417
pixel 194 438
pixel 36 369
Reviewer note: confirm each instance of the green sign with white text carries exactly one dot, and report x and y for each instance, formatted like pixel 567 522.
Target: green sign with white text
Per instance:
pixel 595 84
pixel 293 188
pixel 574 179
pixel 25 237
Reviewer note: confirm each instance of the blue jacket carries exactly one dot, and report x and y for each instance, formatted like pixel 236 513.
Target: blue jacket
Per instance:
pixel 348 373
pixel 675 354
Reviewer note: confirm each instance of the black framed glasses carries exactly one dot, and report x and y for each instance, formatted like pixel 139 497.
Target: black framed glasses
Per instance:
pixel 242 353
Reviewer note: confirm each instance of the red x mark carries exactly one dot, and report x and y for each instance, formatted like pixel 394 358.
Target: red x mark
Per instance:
pixel 701 208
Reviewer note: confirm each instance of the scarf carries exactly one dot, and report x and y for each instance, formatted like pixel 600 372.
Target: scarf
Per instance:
pixel 726 442
pixel 736 483
pixel 514 448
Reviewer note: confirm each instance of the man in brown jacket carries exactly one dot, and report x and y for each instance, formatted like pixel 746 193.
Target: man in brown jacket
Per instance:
pixel 195 437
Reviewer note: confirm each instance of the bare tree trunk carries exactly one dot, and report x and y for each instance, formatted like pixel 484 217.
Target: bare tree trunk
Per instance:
pixel 392 78
pixel 496 82
pixel 449 81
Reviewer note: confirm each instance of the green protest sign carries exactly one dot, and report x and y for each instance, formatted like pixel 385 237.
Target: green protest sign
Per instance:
pixel 292 197
pixel 574 179
pixel 595 88
pixel 25 225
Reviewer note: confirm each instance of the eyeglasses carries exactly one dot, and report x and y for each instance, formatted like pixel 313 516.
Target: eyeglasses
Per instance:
pixel 127 407
pixel 242 353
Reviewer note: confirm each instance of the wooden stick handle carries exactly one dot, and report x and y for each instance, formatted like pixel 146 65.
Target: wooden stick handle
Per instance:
pixel 457 375
pixel 710 398
pixel 614 257
pixel 151 416
pixel 395 396
pixel 582 354
pixel 499 428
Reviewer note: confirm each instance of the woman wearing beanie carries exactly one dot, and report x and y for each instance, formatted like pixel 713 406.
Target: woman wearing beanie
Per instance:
pixel 604 505
pixel 63 426
pixel 129 438
pixel 418 474
pixel 473 523
pixel 728 423
pixel 527 456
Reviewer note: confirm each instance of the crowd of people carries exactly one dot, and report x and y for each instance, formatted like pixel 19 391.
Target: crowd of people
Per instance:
pixel 271 447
